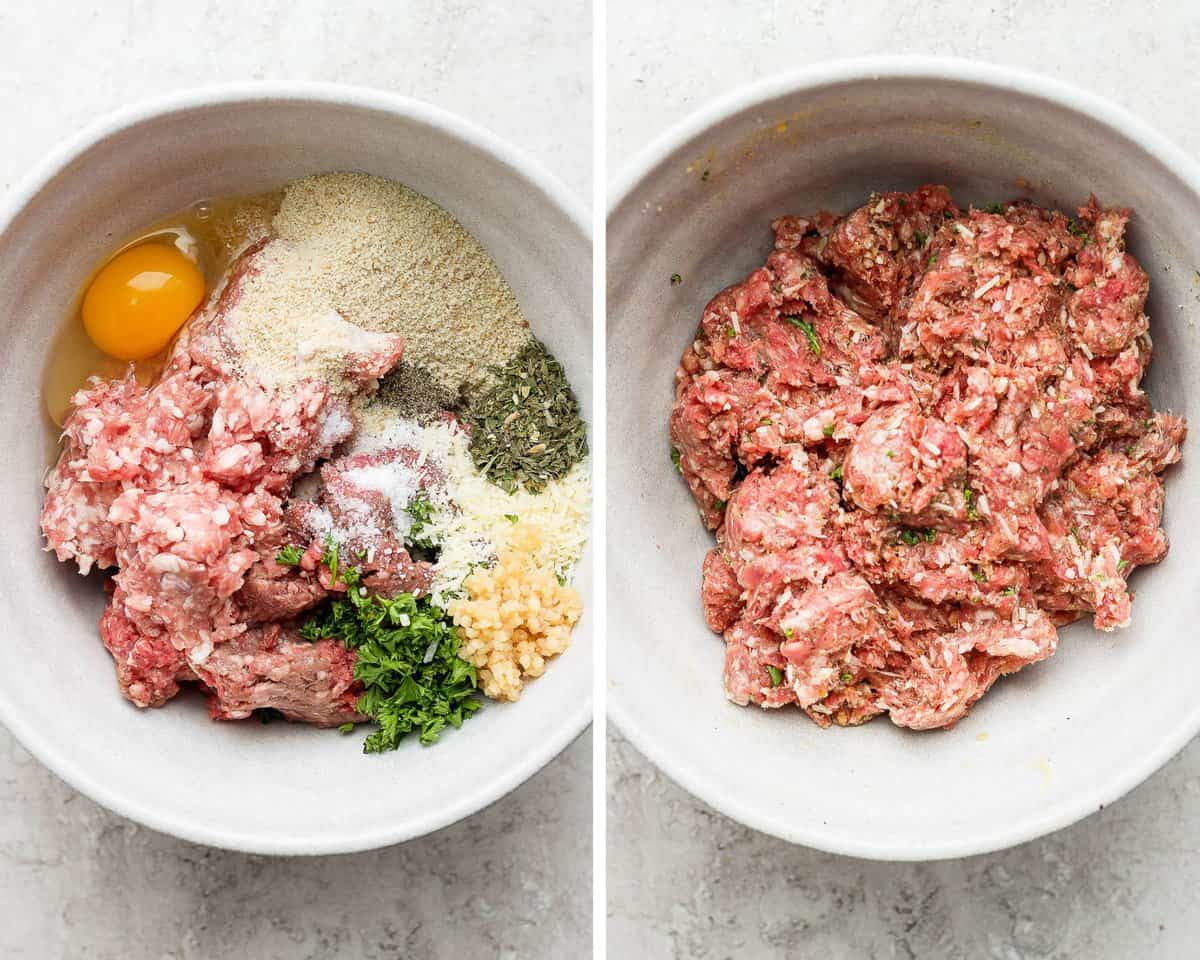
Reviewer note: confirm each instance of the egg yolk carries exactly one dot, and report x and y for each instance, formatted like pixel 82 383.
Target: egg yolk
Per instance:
pixel 140 299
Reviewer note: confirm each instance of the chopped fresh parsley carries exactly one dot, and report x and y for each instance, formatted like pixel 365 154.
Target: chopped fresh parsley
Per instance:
pixel 1009 591
pixel 329 559
pixel 836 473
pixel 787 632
pixel 413 678
pixel 996 207
pixel 421 511
pixel 1122 566
pixel 720 504
pixel 932 259
pixel 810 334
pixel 914 536
pixel 969 499
pixel 765 422
pixel 890 454
pixel 776 674
pixel 289 556
pixel 346 728
pixel 730 332
pixel 1079 230
pixel 675 460
pixel 828 429
pixel 847 677
pixel 512 518
pixel 978 575
pixel 676 279
pixel 921 238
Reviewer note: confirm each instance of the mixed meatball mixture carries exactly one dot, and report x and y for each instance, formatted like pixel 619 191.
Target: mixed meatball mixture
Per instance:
pixel 919 434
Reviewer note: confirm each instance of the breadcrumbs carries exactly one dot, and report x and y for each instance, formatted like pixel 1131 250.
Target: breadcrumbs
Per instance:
pixel 515 615
pixel 355 255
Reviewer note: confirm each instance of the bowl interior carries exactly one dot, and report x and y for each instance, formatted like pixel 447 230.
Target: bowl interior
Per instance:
pixel 1047 745
pixel 279 788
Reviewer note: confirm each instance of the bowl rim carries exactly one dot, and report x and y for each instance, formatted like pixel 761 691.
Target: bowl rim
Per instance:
pixel 697 778
pixel 187 100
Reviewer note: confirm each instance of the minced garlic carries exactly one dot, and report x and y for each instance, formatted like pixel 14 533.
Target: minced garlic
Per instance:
pixel 514 616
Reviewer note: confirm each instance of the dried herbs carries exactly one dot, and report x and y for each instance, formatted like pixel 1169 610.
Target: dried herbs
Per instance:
pixel 526 429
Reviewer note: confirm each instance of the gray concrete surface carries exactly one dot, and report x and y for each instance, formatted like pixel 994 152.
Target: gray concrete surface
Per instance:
pixel 513 881
pixel 685 881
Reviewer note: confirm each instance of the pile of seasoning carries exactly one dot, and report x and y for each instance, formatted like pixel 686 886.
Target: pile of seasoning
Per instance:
pixel 410 392
pixel 525 427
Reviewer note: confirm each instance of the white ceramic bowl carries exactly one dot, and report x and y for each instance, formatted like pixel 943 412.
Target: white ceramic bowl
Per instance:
pixel 278 788
pixel 1045 747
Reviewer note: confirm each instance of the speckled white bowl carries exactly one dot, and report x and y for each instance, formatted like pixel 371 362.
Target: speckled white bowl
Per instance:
pixel 278 788
pixel 1045 747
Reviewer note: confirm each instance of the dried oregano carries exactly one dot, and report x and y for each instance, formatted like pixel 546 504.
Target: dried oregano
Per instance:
pixel 525 428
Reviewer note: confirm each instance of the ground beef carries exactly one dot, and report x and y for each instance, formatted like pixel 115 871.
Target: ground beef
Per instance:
pixel 920 437
pixel 182 487
pixel 272 666
pixel 272 592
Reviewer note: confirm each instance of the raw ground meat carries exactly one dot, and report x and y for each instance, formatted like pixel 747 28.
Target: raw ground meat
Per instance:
pixel 273 666
pixel 920 437
pixel 182 487
pixel 149 668
pixel 362 519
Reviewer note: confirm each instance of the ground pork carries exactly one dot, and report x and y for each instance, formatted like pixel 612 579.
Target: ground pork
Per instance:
pixel 919 435
pixel 181 487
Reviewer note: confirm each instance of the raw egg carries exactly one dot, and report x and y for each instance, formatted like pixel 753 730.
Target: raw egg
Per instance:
pixel 140 299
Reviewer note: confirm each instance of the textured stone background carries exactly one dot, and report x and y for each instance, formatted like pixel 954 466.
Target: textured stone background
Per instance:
pixel 513 881
pixel 685 881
